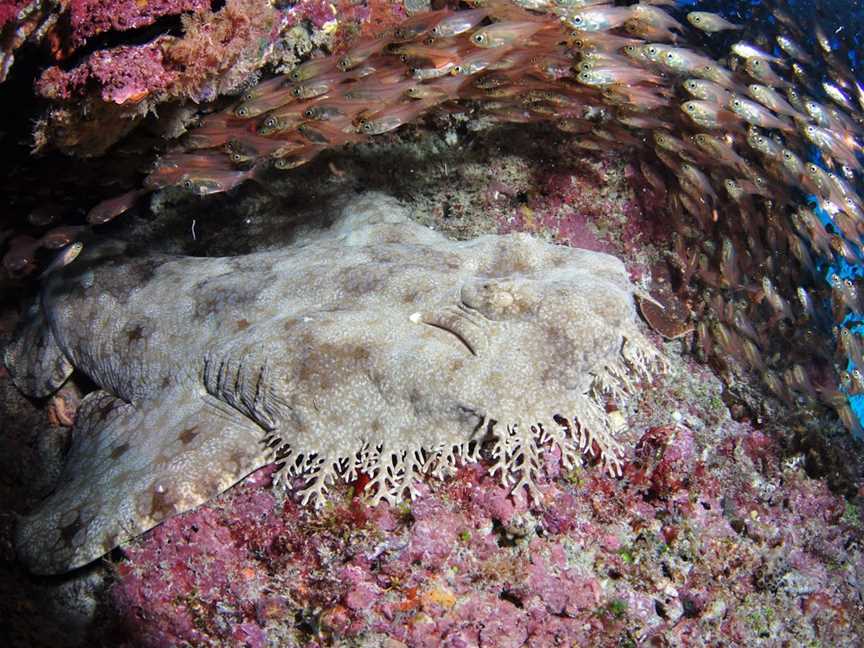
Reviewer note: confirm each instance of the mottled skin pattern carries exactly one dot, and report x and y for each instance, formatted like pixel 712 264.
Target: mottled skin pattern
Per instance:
pixel 377 345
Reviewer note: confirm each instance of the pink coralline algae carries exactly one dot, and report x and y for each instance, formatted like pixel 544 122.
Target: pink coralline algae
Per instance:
pixel 218 53
pixel 317 12
pixel 213 42
pixel 582 204
pixel 9 10
pixel 688 548
pixel 123 74
pixel 90 17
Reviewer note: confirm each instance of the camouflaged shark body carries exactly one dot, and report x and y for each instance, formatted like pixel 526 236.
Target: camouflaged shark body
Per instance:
pixel 376 346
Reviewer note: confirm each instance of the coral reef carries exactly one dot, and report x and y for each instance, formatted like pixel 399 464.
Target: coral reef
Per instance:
pixel 741 530
pixel 217 52
pixel 710 537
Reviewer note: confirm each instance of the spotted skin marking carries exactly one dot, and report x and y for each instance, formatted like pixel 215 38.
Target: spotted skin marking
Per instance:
pixel 68 532
pixel 188 435
pixel 119 451
pixel 135 334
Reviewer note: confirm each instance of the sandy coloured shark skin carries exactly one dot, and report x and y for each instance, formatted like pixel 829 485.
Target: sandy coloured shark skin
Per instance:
pixel 377 345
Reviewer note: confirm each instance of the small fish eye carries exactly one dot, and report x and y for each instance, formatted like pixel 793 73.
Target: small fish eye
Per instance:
pixel 187 184
pixel 309 113
pixel 578 20
pixel 297 92
pixel 691 107
pixel 242 111
pixel 848 283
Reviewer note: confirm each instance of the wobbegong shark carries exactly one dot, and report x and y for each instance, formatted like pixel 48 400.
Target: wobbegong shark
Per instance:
pixel 376 346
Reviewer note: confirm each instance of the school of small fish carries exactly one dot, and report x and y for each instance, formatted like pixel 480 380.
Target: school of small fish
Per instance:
pixel 755 154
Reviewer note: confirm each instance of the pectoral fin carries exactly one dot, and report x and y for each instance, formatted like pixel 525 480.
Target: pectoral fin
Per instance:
pixel 130 468
pixel 35 362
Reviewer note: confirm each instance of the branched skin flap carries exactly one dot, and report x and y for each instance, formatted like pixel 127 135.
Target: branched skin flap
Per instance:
pixel 376 346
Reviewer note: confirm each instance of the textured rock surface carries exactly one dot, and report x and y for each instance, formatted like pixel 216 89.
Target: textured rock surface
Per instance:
pixel 376 347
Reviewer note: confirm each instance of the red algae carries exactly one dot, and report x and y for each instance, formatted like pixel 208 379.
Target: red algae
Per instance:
pixel 457 567
pixel 712 536
pixel 10 9
pixel 88 18
pixel 124 75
